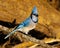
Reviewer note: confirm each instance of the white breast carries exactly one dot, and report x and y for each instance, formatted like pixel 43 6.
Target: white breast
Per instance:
pixel 31 26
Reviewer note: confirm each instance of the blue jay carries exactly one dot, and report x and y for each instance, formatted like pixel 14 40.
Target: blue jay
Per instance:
pixel 28 24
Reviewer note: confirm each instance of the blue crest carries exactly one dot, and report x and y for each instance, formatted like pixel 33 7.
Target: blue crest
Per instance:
pixel 27 23
pixel 34 11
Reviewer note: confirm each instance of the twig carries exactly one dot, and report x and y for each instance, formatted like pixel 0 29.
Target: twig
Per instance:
pixel 40 42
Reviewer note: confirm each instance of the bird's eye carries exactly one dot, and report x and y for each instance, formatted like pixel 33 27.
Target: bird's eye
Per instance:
pixel 36 15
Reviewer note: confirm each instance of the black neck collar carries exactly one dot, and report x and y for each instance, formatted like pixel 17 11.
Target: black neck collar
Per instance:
pixel 32 19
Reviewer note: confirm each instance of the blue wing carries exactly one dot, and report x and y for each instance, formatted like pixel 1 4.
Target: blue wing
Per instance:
pixel 24 23
pixel 21 25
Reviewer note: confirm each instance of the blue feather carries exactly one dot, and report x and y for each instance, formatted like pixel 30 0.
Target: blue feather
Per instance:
pixel 25 23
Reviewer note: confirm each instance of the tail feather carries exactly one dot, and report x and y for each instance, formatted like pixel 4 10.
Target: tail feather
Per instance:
pixel 10 34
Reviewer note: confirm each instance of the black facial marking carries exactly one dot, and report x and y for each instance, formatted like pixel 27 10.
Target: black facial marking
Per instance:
pixel 35 15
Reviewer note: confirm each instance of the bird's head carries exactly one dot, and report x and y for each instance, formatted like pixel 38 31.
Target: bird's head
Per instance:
pixel 34 15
